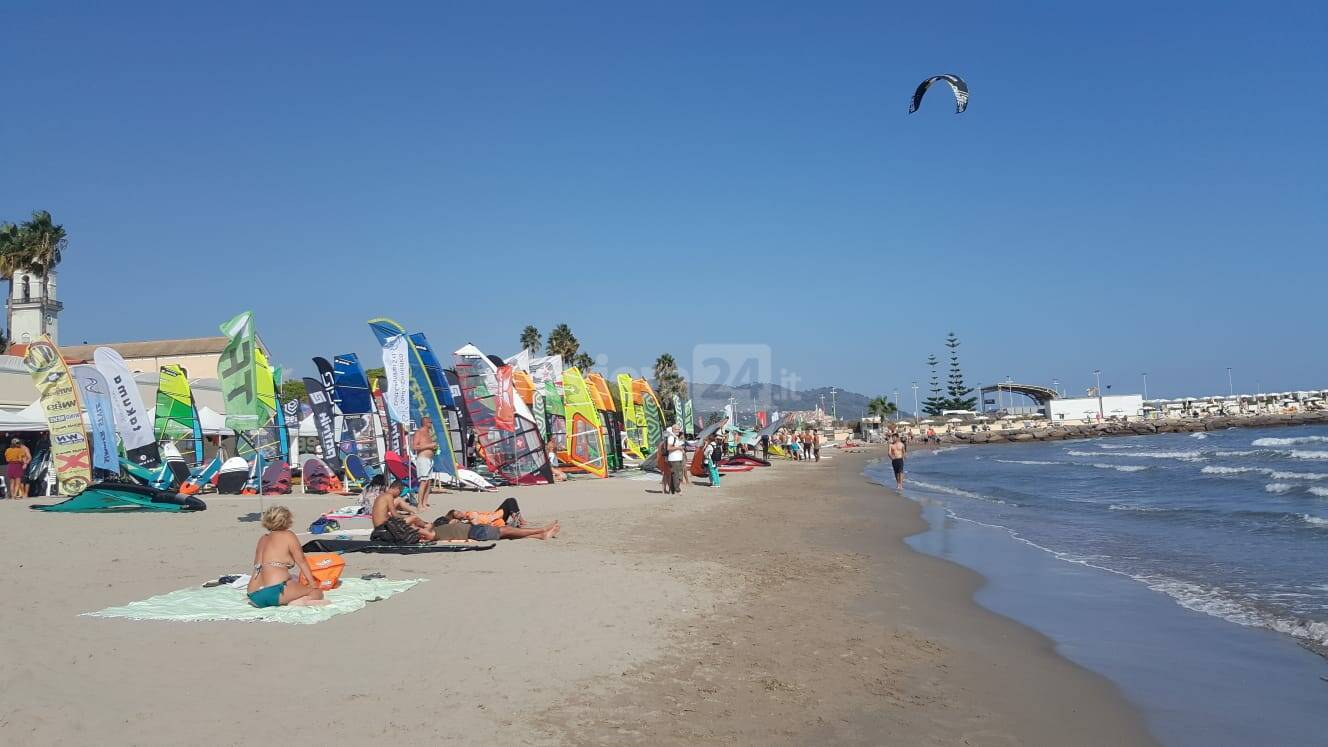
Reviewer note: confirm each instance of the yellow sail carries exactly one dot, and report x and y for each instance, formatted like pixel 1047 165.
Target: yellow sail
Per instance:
pixel 585 440
pixel 633 422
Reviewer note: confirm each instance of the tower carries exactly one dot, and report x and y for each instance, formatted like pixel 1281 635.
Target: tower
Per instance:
pixel 33 308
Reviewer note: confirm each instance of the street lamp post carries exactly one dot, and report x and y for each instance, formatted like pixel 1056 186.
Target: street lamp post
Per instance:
pixel 915 403
pixel 1231 391
pixel 834 411
pixel 1097 375
pixel 896 405
pixel 1145 386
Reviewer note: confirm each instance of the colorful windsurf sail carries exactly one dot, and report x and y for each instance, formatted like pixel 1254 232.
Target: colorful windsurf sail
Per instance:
pixel 602 398
pixel 351 384
pixel 515 455
pixel 557 415
pixel 688 417
pixel 585 437
pixel 632 424
pixel 58 395
pixel 176 420
pixel 655 424
pixel 537 408
pixel 677 410
pixel 423 395
pixel 639 430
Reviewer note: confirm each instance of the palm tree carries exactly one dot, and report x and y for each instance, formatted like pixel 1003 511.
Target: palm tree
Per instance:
pixel 562 342
pixel 36 246
pixel 530 339
pixel 882 408
pixel 668 382
pixel 583 362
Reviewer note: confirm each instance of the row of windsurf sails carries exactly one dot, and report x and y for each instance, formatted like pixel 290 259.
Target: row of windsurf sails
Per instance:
pixel 492 415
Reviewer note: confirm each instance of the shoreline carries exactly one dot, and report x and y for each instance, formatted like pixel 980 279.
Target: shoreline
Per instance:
pixel 784 607
pixel 829 628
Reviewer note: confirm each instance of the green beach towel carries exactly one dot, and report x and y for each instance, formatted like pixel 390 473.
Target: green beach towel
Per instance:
pixel 197 604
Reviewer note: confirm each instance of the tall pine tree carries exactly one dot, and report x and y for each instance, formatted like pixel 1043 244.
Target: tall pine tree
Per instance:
pixel 934 404
pixel 958 399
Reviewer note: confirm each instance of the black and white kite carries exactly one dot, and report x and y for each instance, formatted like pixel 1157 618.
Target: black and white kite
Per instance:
pixel 956 83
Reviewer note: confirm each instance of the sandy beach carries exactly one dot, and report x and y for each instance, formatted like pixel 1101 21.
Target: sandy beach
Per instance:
pixel 781 609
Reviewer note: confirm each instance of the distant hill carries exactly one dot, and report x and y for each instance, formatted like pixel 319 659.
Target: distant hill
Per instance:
pixel 708 398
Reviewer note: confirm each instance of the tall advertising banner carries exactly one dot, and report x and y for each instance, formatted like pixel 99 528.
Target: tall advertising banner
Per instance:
pixel 64 416
pixel 396 367
pixel 238 372
pixel 131 416
pixel 324 421
pixel 97 400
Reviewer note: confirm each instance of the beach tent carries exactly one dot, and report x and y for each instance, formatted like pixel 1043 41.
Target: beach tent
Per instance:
pixel 29 419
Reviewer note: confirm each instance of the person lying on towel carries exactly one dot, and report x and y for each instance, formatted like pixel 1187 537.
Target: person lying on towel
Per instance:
pixel 277 554
pixel 395 521
pixel 451 529
pixel 508 514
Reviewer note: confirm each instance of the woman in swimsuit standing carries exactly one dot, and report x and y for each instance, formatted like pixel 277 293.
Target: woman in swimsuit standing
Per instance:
pixel 277 554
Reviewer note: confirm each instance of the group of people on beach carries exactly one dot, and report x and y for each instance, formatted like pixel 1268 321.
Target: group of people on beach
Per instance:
pixel 671 460
pixel 804 446
pixel 395 521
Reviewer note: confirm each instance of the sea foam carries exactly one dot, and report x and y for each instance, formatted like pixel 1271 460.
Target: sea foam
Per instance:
pixel 1148 454
pixel 1278 487
pixel 1289 441
pixel 1299 454
pixel 1123 467
pixel 1214 469
pixel 1317 521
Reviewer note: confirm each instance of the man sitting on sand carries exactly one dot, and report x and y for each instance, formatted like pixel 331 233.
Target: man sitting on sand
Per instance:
pixel 395 521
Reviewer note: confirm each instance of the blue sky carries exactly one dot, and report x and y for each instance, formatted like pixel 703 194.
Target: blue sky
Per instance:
pixel 1133 188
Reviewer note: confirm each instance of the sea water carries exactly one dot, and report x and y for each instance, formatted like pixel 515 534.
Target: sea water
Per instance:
pixel 1190 569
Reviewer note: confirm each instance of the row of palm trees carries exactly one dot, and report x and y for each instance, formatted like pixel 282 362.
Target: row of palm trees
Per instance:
pixel 36 245
pixel 561 342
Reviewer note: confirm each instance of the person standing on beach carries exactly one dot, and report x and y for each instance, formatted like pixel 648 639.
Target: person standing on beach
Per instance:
pixel 676 453
pixel 816 445
pixel 17 457
pixel 897 451
pixel 708 454
pixel 765 446
pixel 665 471
pixel 425 444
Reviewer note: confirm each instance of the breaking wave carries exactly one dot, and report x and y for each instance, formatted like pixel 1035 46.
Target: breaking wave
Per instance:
pixel 1123 467
pixel 1289 441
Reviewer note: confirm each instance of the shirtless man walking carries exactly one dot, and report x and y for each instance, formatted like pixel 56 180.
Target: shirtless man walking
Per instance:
pixel 897 450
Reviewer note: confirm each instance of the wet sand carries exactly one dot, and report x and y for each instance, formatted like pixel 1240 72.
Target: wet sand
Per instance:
pixel 782 608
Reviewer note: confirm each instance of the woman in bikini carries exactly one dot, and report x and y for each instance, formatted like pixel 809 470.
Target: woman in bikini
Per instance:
pixel 277 554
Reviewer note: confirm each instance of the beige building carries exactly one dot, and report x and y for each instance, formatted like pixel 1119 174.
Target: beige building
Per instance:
pixel 198 356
